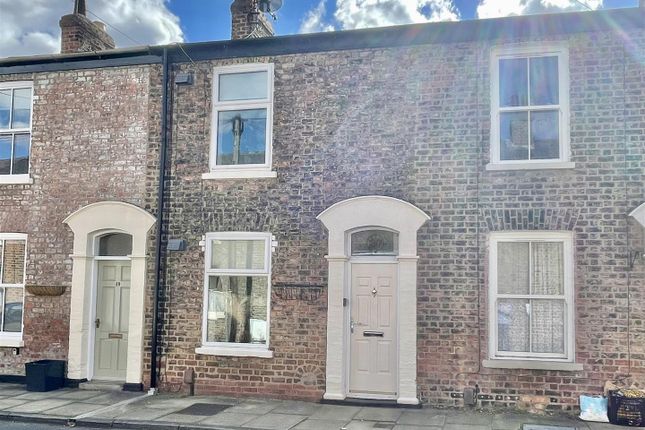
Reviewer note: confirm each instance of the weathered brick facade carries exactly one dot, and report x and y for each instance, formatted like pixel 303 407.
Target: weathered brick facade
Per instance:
pixel 357 123
pixel 89 143
pixel 411 122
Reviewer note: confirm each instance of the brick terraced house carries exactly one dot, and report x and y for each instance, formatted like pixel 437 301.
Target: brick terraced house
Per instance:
pixel 407 214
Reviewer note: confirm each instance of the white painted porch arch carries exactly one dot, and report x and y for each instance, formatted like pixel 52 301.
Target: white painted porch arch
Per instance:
pixel 87 224
pixel 340 219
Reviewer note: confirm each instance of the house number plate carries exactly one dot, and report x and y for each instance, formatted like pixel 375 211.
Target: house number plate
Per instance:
pixel 115 336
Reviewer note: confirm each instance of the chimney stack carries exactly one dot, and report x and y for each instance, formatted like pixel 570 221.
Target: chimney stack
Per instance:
pixel 248 22
pixel 79 34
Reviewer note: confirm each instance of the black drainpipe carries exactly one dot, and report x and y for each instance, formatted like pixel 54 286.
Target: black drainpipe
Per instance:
pixel 160 220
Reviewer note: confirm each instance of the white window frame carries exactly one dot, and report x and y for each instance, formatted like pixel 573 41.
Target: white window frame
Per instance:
pixel 566 238
pixel 242 170
pixel 21 178
pixel 560 50
pixel 12 339
pixel 229 348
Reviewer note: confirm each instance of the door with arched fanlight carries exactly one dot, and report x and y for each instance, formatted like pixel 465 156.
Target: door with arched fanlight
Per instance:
pixel 112 255
pixel 373 313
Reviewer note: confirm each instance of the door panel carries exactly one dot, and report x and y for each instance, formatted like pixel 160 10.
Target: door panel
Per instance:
pixel 373 359
pixel 112 313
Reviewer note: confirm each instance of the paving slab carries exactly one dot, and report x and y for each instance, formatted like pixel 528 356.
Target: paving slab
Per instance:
pixel 379 414
pixel 407 427
pixel 39 395
pixel 72 410
pixel 423 417
pixel 112 398
pixel 311 424
pixel 274 422
pixel 10 403
pixel 254 407
pixel 465 427
pixel 473 418
pixel 368 425
pixel 80 395
pixel 138 414
pixel 39 406
pixel 333 412
pixel 228 419
pixel 297 408
pixel 180 418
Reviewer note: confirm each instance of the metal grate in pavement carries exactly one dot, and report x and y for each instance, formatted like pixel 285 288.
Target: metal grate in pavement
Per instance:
pixel 203 409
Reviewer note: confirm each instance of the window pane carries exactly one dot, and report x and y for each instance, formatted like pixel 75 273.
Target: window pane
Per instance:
pixel 13 310
pixel 13 263
pixel 514 136
pixel 21 108
pixel 545 135
pixel 241 137
pixel 513 268
pixel 544 81
pixel 513 325
pixel 547 326
pixel 21 154
pixel 513 82
pixel 548 268
pixel 243 86
pixel 237 309
pixel 115 244
pixel 5 108
pixel 5 154
pixel 238 254
pixel 375 242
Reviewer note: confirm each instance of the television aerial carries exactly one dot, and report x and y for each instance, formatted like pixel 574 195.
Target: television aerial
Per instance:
pixel 270 7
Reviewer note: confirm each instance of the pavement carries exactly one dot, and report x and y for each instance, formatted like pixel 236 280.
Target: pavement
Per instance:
pixel 94 409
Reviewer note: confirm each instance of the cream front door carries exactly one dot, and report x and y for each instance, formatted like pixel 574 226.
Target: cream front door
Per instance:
pixel 112 318
pixel 373 337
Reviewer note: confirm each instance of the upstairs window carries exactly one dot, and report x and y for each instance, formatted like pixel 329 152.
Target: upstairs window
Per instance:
pixel 242 121
pixel 12 284
pixel 530 109
pixel 15 130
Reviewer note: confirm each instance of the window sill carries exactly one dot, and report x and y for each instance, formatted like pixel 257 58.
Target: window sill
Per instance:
pixel 548 165
pixel 11 343
pixel 532 365
pixel 16 180
pixel 240 174
pixel 234 352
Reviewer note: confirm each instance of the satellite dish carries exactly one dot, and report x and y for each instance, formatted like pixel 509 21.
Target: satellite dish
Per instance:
pixel 270 6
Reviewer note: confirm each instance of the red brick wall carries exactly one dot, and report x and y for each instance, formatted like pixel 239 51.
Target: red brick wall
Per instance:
pixel 89 143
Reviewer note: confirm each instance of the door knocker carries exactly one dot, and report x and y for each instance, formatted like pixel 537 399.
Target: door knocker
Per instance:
pixel 374 292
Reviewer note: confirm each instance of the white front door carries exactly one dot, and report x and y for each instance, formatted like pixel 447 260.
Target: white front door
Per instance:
pixel 373 337
pixel 112 318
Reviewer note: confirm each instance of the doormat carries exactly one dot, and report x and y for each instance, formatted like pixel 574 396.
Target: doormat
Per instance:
pixel 203 409
pixel 544 427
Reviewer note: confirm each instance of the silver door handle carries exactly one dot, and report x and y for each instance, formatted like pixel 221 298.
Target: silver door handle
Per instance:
pixel 353 324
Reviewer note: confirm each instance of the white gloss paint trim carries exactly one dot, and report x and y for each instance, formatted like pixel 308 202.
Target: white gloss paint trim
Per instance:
pixel 639 214
pixel 241 105
pixel 11 342
pixel 524 50
pixel 341 219
pixel 551 165
pixel 564 237
pixel 234 352
pixel 240 174
pixel 88 224
pixel 532 365
pixel 16 179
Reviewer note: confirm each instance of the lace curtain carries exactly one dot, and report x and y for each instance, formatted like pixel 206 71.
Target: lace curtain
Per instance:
pixel 532 325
